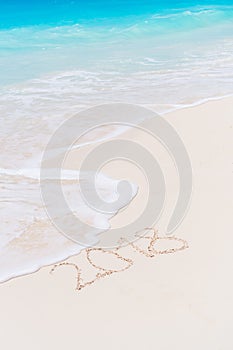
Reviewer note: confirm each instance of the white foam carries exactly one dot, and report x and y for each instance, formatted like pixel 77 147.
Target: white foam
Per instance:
pixel 28 238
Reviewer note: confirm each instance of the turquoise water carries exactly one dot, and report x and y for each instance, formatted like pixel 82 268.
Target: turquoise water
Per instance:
pixel 59 56
pixel 118 38
pixel 20 13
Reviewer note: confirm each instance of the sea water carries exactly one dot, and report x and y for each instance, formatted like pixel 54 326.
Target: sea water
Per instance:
pixel 59 57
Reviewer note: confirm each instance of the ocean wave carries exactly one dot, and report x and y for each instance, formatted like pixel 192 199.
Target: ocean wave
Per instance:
pixel 28 239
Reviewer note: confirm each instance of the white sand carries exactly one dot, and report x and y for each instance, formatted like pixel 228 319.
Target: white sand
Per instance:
pixel 177 301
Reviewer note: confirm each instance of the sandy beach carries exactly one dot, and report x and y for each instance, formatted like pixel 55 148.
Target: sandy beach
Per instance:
pixel 181 300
